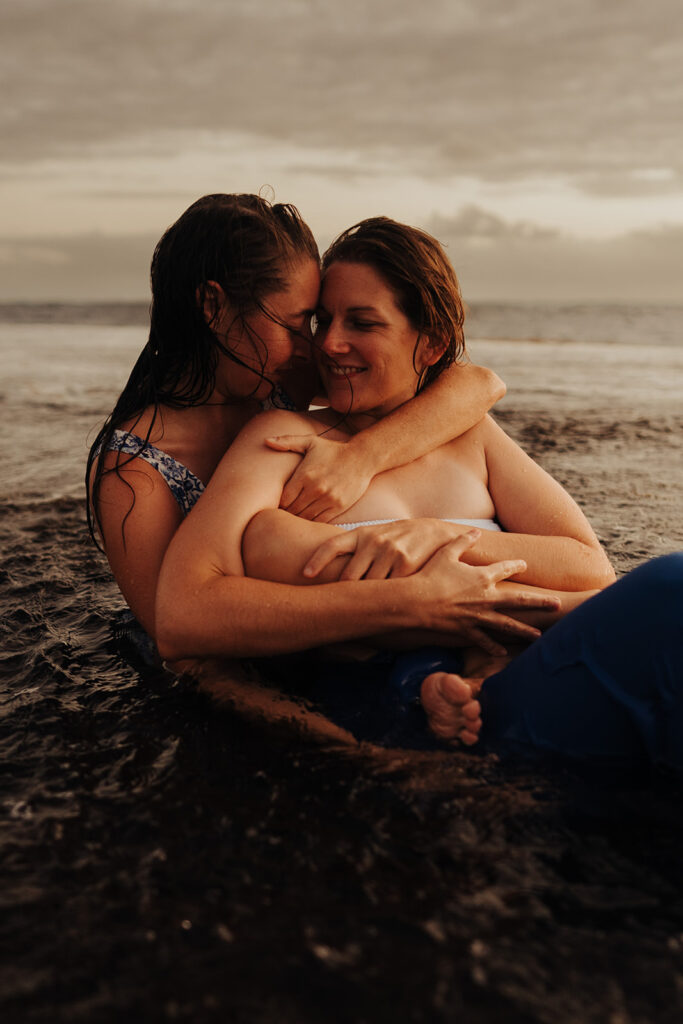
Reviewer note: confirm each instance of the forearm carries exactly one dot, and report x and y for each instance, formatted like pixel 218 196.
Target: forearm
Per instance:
pixel 543 618
pixel 557 563
pixel 233 616
pixel 449 407
pixel 276 546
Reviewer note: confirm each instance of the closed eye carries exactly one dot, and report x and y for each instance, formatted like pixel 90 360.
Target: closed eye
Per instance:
pixel 364 325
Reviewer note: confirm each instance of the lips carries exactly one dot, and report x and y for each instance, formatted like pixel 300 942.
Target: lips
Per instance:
pixel 340 372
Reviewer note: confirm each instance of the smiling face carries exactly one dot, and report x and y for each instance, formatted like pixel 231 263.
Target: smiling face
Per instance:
pixel 369 355
pixel 271 341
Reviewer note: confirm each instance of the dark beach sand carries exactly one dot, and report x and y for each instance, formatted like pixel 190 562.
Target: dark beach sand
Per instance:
pixel 608 423
pixel 165 861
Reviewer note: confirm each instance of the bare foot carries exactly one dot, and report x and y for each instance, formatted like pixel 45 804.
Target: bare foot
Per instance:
pixel 450 705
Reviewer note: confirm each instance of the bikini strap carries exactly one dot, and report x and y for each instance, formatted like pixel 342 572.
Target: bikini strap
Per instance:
pixel 185 487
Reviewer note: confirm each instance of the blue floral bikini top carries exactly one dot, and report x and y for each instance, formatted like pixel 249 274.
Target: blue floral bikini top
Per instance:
pixel 185 487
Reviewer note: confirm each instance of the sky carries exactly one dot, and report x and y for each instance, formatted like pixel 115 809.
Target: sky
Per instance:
pixel 540 140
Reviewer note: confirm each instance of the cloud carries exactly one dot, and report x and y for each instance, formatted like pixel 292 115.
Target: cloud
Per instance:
pixel 495 260
pixel 513 261
pixel 480 226
pixel 82 267
pixel 590 89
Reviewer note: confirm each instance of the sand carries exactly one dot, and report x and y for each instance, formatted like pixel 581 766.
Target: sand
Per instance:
pixel 607 421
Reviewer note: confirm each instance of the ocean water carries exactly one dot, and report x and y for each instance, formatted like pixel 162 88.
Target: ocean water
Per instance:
pixel 166 860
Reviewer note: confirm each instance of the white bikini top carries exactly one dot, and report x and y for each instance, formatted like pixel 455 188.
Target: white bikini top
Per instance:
pixel 482 524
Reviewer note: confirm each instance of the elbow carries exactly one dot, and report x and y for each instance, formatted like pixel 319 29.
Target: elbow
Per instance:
pixel 169 634
pixel 607 577
pixel 496 386
pixel 172 617
pixel 261 544
pixel 598 571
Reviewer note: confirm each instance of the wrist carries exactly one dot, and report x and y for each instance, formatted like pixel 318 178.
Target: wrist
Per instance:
pixel 409 607
pixel 370 458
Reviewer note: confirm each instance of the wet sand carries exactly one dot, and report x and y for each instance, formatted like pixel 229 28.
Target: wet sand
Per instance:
pixel 608 423
pixel 168 861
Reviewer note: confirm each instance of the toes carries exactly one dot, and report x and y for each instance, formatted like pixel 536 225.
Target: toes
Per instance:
pixel 454 689
pixel 469 738
pixel 448 687
pixel 453 714
pixel 471 711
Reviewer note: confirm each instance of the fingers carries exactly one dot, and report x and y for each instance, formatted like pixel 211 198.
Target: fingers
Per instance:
pixel 370 564
pixel 291 493
pixel 503 570
pixel 544 602
pixel 479 638
pixel 344 544
pixel 509 626
pixel 309 499
pixel 291 442
pixel 308 504
pixel 317 511
pixel 462 542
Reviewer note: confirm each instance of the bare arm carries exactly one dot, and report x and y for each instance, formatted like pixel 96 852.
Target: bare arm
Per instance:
pixel 277 546
pixel 206 607
pixel 543 526
pixel 543 523
pixel 139 498
pixel 333 475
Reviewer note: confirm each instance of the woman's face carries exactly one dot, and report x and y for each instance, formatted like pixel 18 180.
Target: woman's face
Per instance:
pixel 365 346
pixel 273 342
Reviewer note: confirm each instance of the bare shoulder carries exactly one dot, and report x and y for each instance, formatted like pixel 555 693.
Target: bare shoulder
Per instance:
pixel 481 435
pixel 133 491
pixel 277 422
pixel 492 434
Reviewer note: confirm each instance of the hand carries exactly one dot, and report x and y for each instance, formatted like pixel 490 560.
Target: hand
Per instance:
pixel 330 478
pixel 463 599
pixel 384 550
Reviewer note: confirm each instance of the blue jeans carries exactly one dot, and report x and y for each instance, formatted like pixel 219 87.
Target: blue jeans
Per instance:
pixel 605 684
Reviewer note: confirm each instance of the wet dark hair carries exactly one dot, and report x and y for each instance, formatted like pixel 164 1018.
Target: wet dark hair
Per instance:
pixel 243 243
pixel 419 273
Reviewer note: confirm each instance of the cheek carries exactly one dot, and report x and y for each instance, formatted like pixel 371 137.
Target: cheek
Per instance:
pixel 278 346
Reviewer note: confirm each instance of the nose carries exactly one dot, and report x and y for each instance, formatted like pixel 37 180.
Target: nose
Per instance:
pixel 333 341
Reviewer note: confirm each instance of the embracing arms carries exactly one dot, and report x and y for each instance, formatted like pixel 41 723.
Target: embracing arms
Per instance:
pixel 139 516
pixel 543 526
pixel 333 475
pixel 206 607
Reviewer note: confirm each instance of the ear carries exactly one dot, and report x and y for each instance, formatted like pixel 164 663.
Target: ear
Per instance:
pixel 431 350
pixel 212 300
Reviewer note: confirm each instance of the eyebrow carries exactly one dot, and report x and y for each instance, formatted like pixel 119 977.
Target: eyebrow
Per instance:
pixel 358 309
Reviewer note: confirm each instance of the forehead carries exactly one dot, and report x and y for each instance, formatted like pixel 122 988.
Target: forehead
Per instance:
pixel 355 284
pixel 301 291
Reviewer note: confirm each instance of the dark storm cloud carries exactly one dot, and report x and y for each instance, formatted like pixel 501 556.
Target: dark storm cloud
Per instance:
pixel 589 90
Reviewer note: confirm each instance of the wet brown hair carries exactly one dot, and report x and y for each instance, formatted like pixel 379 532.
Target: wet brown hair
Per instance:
pixel 419 273
pixel 245 244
